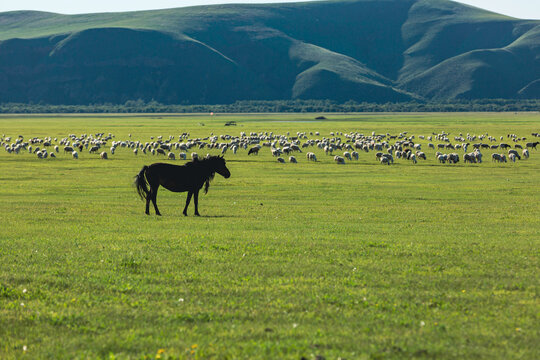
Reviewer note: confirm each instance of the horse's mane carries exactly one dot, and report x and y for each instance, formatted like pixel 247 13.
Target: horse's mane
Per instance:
pixel 205 163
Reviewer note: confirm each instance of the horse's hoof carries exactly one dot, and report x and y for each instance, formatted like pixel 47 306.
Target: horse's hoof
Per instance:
pixel 184 214
pixel 197 214
pixel 158 214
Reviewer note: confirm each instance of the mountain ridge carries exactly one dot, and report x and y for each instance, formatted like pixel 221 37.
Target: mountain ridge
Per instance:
pixel 362 50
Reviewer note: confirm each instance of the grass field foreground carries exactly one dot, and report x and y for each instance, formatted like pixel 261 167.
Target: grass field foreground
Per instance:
pixel 361 261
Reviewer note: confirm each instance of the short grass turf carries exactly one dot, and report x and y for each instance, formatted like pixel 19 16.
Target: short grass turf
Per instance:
pixel 287 261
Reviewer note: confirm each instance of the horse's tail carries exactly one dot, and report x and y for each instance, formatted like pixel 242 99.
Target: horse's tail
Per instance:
pixel 140 183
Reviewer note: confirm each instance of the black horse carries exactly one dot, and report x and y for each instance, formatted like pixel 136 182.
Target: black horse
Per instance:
pixel 189 177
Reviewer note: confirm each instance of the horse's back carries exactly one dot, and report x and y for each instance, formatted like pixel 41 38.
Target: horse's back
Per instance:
pixel 172 177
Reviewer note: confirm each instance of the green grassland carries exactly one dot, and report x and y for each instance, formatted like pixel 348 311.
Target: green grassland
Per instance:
pixel 287 261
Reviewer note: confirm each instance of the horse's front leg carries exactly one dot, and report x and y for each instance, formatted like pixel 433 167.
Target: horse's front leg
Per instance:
pixel 196 200
pixel 190 193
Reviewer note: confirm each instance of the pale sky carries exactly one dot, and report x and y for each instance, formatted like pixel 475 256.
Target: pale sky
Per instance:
pixel 523 9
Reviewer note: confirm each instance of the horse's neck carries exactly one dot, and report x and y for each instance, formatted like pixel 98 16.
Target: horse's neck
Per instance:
pixel 206 171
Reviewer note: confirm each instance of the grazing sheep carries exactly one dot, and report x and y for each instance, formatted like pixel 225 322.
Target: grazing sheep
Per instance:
pixel 281 160
pixel 103 155
pixel 160 151
pixel 515 153
pixel 421 155
pixel 311 156
pixel 442 158
pixel 75 155
pixel 389 157
pixel 194 156
pixel 39 154
pixel 292 159
pixel 182 156
pixel 477 155
pixel 413 158
pixel 56 148
pixel 453 158
pixel 254 150
pixel 525 153
pixel 384 160
pixel 512 157
pixel 328 149
pixel 355 155
pixel 469 158
pixel 347 155
pixel 498 157
pixel 93 149
pixel 52 155
pixel 339 160
pixel 532 144
pixel 136 151
pixel 68 149
pixel 295 148
pixel 171 156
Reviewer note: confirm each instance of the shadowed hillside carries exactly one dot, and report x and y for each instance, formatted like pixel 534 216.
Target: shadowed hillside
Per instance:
pixel 364 50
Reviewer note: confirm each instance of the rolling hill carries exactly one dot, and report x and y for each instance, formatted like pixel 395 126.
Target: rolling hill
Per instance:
pixel 362 50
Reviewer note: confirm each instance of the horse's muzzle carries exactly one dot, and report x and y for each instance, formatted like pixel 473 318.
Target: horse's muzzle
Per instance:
pixel 225 173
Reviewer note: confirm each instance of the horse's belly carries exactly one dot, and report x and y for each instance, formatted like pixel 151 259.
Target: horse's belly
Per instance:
pixel 174 186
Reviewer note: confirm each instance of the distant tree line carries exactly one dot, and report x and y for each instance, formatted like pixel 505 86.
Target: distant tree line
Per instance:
pixel 278 106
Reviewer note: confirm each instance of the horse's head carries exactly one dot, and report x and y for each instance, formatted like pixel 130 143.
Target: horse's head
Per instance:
pixel 221 168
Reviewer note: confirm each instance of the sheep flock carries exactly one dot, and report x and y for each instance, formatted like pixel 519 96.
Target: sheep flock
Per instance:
pixel 339 147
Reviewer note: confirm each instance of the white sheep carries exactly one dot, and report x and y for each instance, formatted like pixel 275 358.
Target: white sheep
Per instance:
pixel 292 159
pixel 75 154
pixel 339 160
pixel 311 156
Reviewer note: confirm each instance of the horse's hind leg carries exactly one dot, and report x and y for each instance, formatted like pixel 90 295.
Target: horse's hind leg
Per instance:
pixel 147 204
pixel 188 199
pixel 196 201
pixel 153 196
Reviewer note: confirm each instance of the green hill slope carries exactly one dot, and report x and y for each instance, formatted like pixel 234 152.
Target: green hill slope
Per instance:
pixel 364 50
